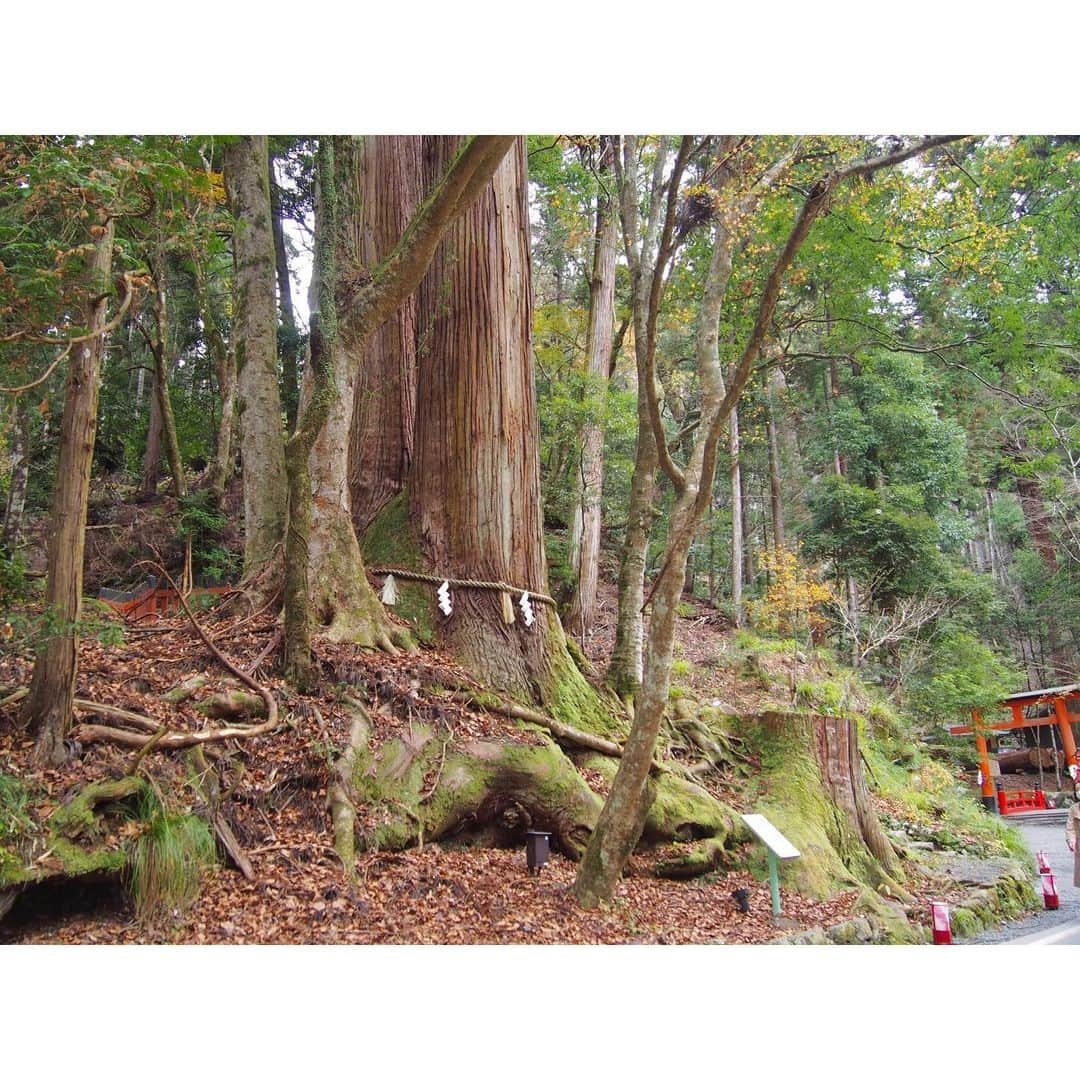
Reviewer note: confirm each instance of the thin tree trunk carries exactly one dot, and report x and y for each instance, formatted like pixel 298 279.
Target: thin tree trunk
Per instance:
pixel 623 816
pixel 585 535
pixel 625 669
pixel 151 470
pixel 738 528
pixel 221 468
pixel 20 471
pixel 48 708
pixel 776 505
pixel 161 385
pixel 261 436
pixel 288 336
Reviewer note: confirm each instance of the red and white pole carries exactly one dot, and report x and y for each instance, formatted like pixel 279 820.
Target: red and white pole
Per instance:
pixel 939 914
pixel 1050 893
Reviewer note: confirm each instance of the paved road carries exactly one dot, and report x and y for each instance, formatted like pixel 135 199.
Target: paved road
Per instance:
pixel 1061 927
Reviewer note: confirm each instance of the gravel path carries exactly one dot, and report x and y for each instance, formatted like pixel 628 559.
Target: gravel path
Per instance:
pixel 1048 837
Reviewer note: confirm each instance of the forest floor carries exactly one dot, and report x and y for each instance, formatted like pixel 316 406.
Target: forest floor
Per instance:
pixel 430 894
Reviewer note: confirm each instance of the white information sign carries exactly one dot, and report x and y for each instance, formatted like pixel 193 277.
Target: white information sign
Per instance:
pixel 770 836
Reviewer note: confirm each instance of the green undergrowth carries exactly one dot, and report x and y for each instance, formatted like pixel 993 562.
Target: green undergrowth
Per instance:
pixel 935 806
pixel 167 861
pixel 122 828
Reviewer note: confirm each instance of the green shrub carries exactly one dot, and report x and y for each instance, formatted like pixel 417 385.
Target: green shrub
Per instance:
pixel 167 863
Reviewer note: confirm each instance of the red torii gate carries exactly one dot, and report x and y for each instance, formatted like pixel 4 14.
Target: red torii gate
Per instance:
pixel 1054 696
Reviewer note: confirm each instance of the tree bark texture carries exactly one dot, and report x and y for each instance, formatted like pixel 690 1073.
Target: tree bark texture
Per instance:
pixel 475 491
pixel 48 709
pixel 255 330
pixel 221 468
pixel 589 483
pixel 384 412
pixel 20 471
pixel 151 470
pixel 162 371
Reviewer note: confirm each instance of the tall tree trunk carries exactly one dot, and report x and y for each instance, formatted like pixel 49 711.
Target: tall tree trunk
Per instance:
pixel 384 413
pixel 247 184
pixel 339 599
pixel 151 469
pixel 738 526
pixel 585 527
pixel 48 707
pixel 288 335
pixel 162 371
pixel 20 471
pixel 623 816
pixel 221 468
pixel 624 671
pixel 776 504
pixel 475 488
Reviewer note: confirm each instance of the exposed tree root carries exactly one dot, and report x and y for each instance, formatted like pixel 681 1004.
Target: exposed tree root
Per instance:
pixel 173 740
pixel 208 788
pixel 342 808
pixel 562 732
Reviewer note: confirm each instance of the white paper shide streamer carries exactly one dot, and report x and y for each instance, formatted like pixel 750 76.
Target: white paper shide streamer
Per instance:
pixel 389 591
pixel 443 593
pixel 526 609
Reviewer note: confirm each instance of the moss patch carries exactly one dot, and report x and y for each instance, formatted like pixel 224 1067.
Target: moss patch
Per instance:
pixel 390 541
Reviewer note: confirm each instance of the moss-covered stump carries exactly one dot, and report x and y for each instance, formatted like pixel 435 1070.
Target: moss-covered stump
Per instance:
pixel 109 830
pixel 813 789
pixel 83 838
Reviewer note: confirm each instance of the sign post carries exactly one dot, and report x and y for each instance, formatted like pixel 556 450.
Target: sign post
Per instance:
pixel 777 847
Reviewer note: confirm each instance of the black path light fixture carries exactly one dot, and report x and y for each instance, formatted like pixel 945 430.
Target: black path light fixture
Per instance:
pixel 537 848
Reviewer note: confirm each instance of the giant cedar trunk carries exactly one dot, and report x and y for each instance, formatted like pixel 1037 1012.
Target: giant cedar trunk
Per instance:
pixel 52 687
pixel 384 411
pixel 475 489
pixel 585 528
pixel 247 183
